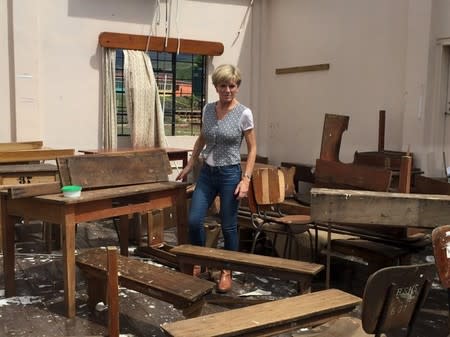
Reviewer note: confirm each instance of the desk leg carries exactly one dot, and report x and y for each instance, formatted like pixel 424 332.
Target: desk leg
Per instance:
pixel 180 203
pixel 68 248
pixel 9 260
pixel 327 276
pixel 124 228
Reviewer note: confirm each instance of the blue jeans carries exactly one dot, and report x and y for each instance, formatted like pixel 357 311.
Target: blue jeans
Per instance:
pixel 213 181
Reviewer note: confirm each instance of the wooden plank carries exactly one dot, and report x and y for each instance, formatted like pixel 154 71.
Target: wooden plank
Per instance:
pixel 381 208
pixel 31 190
pixel 34 155
pixel 106 170
pixel 157 43
pixel 19 146
pixel 267 318
pixel 302 69
pixel 339 175
pixel 268 265
pixel 27 168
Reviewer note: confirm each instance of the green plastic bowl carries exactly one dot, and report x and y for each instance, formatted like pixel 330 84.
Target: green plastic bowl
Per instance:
pixel 71 191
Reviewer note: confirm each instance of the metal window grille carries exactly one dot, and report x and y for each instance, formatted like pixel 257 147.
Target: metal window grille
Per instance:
pixel 181 82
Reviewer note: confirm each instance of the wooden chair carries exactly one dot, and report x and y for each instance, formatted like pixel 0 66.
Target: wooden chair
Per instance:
pixel 266 193
pixel 440 238
pixel 392 300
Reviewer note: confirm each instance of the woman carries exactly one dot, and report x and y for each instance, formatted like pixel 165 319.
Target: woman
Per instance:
pixel 225 123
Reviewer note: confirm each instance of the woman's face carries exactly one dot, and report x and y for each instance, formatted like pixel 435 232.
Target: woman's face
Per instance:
pixel 227 91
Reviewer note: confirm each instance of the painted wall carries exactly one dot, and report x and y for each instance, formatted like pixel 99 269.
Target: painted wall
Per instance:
pixel 364 42
pixel 382 55
pixel 56 63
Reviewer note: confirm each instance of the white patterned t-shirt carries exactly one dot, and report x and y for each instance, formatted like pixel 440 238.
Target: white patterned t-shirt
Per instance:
pixel 223 137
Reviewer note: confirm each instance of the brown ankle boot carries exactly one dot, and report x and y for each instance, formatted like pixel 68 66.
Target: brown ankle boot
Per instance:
pixel 225 281
pixel 196 270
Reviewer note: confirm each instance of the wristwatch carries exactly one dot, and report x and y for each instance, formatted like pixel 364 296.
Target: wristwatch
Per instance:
pixel 248 176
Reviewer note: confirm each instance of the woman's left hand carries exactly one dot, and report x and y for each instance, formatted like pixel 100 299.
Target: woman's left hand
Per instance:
pixel 242 189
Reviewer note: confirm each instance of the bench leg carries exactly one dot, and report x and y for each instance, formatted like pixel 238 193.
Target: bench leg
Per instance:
pixel 186 268
pixel 96 290
pixel 304 285
pixel 194 310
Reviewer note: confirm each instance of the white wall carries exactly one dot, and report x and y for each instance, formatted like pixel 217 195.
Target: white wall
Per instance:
pixel 382 55
pixel 364 42
pixel 57 58
pixel 5 116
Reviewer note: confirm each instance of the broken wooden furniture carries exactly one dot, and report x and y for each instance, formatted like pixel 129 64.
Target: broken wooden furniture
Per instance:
pixel 441 250
pixel 267 319
pixel 392 300
pixel 367 208
pixel 113 186
pixel 377 246
pixel 302 272
pixel 158 218
pixel 266 193
pixel 389 159
pixel 185 292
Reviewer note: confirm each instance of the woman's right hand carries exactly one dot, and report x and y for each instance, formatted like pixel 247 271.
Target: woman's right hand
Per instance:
pixel 183 174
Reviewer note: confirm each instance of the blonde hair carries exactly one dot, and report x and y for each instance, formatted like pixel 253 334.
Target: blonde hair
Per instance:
pixel 226 73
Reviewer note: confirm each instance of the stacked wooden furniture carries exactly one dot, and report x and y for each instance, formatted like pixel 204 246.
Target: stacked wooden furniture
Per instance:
pixel 113 186
pixel 377 245
pixel 23 163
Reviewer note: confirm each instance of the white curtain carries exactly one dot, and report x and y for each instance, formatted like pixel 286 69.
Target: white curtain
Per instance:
pixel 144 110
pixel 109 99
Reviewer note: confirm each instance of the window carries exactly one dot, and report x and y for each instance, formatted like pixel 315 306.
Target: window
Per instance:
pixel 181 82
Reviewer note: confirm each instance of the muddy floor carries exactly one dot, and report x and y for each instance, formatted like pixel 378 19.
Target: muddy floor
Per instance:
pixel 38 308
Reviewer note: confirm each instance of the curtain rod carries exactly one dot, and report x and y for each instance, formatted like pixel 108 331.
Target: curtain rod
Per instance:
pixel 157 43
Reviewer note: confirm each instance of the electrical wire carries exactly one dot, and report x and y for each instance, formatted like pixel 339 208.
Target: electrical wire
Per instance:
pixel 247 12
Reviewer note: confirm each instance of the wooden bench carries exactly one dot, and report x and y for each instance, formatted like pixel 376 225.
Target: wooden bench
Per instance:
pixel 268 318
pixel 183 291
pixel 302 272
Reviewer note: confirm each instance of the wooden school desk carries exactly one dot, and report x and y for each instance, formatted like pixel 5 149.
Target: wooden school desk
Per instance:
pixel 92 205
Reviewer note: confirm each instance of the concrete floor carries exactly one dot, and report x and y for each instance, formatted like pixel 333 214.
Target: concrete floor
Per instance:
pixel 38 308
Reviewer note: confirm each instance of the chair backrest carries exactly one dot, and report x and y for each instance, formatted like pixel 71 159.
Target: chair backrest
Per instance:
pixel 441 248
pixel 268 186
pixel 393 297
pixel 333 128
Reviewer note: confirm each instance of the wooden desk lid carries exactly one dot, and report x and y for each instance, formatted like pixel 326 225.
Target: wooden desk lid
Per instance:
pixel 94 171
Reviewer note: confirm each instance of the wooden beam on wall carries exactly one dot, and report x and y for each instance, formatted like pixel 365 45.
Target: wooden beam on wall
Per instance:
pixel 302 69
pixel 157 43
